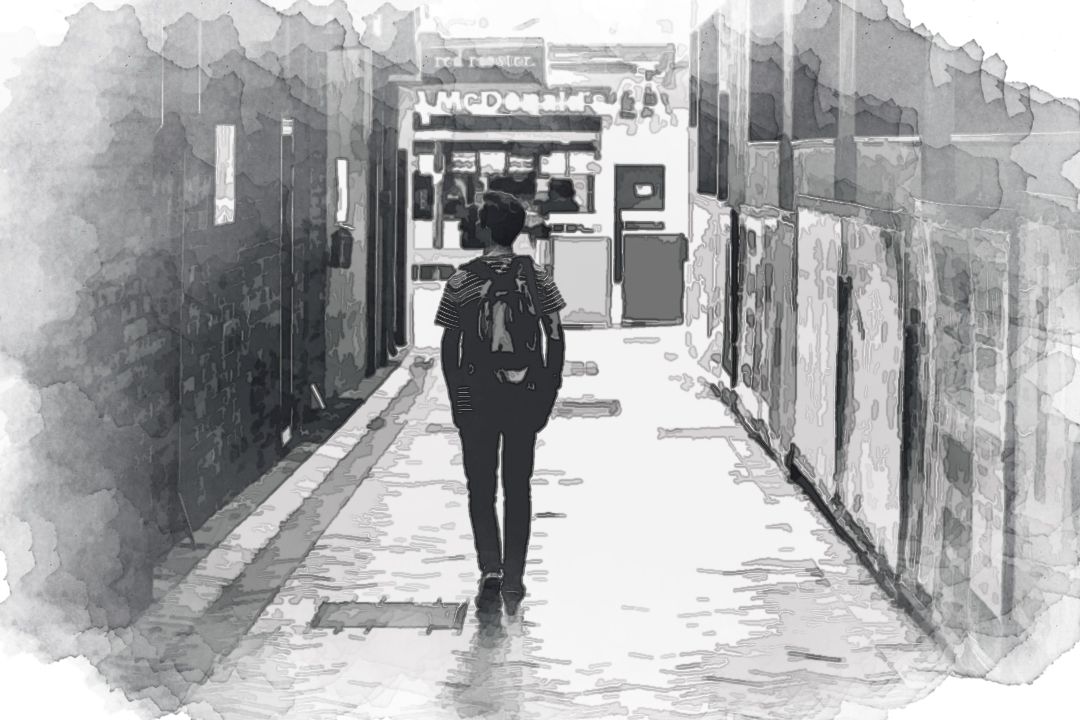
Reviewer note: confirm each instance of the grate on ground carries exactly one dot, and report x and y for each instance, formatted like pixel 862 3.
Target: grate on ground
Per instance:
pixel 400 615
pixel 586 408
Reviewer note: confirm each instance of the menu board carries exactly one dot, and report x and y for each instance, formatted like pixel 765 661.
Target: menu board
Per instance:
pixel 463 162
pixel 582 163
pixel 521 163
pixel 492 163
pixel 553 164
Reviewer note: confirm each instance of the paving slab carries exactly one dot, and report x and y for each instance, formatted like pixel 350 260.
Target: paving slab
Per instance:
pixel 673 572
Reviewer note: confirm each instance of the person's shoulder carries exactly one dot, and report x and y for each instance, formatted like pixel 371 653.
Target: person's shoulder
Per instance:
pixel 542 273
pixel 457 280
pixel 525 258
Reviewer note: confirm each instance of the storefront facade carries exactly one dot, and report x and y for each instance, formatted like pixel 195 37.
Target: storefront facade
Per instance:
pixel 593 143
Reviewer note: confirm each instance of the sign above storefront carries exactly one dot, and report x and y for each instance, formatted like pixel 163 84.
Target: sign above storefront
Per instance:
pixel 508 102
pixel 516 61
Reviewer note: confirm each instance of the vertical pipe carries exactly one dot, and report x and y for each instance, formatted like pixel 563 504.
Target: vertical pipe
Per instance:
pixel 371 235
pixel 378 238
pixel 162 75
pixel 182 333
pixel 281 289
pixel 389 219
pixel 1010 449
pixel 198 68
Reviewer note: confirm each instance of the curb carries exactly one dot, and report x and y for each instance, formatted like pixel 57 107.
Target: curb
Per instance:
pixel 198 590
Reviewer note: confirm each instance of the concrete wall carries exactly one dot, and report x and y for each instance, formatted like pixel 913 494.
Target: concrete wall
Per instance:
pixel 929 396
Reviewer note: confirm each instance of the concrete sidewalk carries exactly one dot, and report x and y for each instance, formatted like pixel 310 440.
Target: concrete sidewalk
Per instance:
pixel 673 572
pixel 209 595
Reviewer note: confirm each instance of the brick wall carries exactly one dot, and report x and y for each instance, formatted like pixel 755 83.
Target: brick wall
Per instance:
pixel 254 292
pixel 141 350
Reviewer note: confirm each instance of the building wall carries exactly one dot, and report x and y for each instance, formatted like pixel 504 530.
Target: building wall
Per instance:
pixel 239 280
pixel 928 220
pixel 140 344
pixel 349 110
pixel 90 333
pixel 657 140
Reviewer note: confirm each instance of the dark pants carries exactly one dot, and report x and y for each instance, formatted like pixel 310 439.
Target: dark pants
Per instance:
pixel 480 451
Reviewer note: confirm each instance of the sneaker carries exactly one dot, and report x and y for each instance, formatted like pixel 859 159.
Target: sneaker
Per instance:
pixel 512 597
pixel 487 595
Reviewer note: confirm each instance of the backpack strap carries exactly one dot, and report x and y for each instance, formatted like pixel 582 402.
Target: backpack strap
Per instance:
pixel 529 269
pixel 526 264
pixel 479 268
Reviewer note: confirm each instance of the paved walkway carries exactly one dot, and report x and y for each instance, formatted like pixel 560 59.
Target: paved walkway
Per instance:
pixel 673 573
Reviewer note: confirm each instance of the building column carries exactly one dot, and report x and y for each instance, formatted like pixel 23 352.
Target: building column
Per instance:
pixel 736 69
pixel 936 125
pixel 786 194
pixel 847 159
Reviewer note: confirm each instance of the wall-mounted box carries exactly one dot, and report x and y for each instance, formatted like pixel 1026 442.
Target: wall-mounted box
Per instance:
pixel 341 247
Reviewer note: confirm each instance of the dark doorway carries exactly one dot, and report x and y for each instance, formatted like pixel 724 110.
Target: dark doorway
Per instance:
pixel 730 357
pixel 372 310
pixel 400 281
pixel 390 199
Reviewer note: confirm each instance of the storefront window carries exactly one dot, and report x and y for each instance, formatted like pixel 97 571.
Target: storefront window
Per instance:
pixel 569 194
pixel 463 162
pixel 492 163
pixel 553 164
pixel 467 229
pixel 582 163
pixel 423 196
pixel 425 163
pixel 520 185
pixel 458 192
pixel 566 182
pixel 521 164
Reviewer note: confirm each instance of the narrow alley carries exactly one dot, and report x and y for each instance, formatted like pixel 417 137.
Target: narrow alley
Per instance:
pixel 817 446
pixel 673 572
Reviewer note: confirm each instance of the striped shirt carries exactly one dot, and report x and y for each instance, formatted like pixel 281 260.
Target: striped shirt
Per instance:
pixel 463 288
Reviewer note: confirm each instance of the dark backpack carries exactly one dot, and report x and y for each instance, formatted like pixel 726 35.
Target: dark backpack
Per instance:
pixel 503 333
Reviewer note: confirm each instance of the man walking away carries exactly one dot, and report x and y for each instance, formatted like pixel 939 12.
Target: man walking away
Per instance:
pixel 498 312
